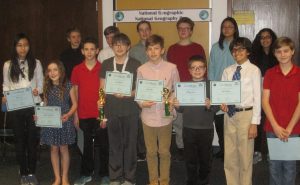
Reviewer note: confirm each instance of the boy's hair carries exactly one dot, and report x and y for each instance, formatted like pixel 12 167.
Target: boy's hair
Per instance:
pixel 284 41
pixel 111 30
pixel 185 20
pixel 143 22
pixel 243 42
pixel 155 39
pixel 196 58
pixel 90 40
pixel 70 30
pixel 121 38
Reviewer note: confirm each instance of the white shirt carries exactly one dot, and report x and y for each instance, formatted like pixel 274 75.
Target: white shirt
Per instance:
pixel 250 87
pixel 105 53
pixel 36 81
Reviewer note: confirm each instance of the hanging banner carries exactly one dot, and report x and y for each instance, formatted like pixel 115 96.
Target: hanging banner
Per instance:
pixel 170 15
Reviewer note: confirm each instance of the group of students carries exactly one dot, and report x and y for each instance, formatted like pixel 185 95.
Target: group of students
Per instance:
pixel 74 82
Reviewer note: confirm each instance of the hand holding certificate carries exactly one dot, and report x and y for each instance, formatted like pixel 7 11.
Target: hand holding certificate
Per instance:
pixel 149 90
pixel 118 83
pixel 48 116
pixel 19 99
pixel 190 93
pixel 227 92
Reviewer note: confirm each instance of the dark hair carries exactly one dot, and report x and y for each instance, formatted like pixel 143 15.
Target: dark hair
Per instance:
pixel 121 38
pixel 15 70
pixel 155 39
pixel 90 40
pixel 284 41
pixel 186 20
pixel 222 36
pixel 70 30
pixel 111 30
pixel 241 41
pixel 62 80
pixel 197 58
pixel 143 22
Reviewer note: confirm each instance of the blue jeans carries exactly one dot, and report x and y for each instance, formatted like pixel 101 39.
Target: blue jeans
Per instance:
pixel 282 172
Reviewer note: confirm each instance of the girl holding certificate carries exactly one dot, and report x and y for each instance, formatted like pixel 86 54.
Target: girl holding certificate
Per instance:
pixel 58 91
pixel 24 71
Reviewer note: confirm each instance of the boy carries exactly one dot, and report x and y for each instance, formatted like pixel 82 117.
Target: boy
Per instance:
pixel 198 129
pixel 72 56
pixel 157 128
pixel 281 103
pixel 122 113
pixel 240 122
pixel 107 52
pixel 85 78
pixel 179 54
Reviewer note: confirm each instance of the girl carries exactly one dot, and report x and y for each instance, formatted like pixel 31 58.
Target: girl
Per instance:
pixel 22 71
pixel 57 92
pixel 264 59
pixel 220 58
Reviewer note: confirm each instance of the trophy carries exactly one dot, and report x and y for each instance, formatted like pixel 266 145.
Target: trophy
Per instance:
pixel 166 94
pixel 101 115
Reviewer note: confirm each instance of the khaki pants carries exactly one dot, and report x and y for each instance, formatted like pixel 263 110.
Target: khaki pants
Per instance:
pixel 238 149
pixel 158 141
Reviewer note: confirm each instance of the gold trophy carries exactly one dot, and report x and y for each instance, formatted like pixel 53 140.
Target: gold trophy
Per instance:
pixel 166 94
pixel 101 100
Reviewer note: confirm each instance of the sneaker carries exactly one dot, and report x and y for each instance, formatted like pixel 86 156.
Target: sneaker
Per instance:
pixel 257 157
pixel 104 180
pixel 23 180
pixel 83 180
pixel 32 180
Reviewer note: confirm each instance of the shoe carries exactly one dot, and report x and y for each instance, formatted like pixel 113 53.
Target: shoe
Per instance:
pixel 141 157
pixel 83 180
pixel 104 180
pixel 32 180
pixel 23 180
pixel 257 157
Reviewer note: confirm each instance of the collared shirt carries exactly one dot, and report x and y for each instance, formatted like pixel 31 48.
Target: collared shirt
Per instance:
pixel 284 92
pixel 250 87
pixel 36 81
pixel 138 52
pixel 105 53
pixel 219 60
pixel 154 116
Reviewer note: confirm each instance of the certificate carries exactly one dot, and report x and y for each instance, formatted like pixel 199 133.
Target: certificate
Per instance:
pixel 19 99
pixel 279 150
pixel 190 93
pixel 149 90
pixel 228 92
pixel 118 83
pixel 48 116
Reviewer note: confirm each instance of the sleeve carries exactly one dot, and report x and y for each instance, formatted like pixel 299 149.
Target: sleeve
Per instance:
pixel 103 69
pixel 169 53
pixel 256 82
pixel 202 52
pixel 5 85
pixel 74 76
pixel 39 76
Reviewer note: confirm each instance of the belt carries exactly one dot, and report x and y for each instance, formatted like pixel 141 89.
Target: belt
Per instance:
pixel 243 109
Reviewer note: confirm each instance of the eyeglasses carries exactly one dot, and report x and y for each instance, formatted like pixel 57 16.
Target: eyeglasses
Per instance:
pixel 265 37
pixel 184 28
pixel 198 68
pixel 238 50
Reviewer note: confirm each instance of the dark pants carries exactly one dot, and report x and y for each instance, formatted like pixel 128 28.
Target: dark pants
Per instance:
pixel 91 130
pixel 261 136
pixel 198 154
pixel 141 148
pixel 219 124
pixel 122 133
pixel 26 139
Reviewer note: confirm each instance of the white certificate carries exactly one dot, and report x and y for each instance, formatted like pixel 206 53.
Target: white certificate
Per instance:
pixel 118 83
pixel 149 90
pixel 48 116
pixel 19 99
pixel 190 93
pixel 228 92
pixel 285 151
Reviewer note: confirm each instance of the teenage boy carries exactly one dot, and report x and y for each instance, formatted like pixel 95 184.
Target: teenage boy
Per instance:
pixel 179 54
pixel 122 113
pixel 72 56
pixel 198 129
pixel 138 51
pixel 157 128
pixel 85 78
pixel 281 103
pixel 241 120
pixel 107 52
